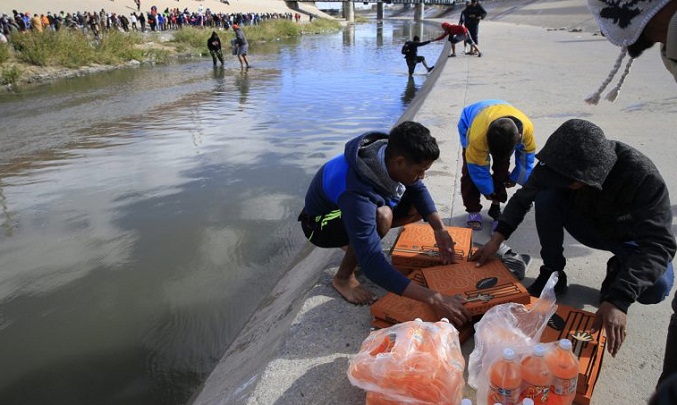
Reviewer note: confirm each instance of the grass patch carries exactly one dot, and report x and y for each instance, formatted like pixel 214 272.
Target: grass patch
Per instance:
pixel 4 52
pixel 9 75
pixel 272 30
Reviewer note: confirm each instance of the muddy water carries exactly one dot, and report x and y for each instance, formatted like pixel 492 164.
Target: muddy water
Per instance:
pixel 146 212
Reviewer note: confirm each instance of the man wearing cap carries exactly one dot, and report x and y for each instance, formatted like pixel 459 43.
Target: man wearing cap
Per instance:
pixel 638 27
pixel 242 46
pixel 635 26
pixel 607 196
pixel 458 33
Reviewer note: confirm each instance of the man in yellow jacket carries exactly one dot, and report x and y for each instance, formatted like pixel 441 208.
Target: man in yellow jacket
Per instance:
pixel 491 132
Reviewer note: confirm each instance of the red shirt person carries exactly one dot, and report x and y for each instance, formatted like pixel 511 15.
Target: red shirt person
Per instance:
pixel 458 33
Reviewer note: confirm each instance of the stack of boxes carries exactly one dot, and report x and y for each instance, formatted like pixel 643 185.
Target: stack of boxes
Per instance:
pixel 415 255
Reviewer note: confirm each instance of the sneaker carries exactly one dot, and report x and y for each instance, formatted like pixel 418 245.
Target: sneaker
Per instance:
pixel 430 69
pixel 479 54
pixel 453 55
pixel 538 285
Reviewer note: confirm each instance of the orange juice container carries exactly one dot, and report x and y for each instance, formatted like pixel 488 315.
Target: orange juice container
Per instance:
pixel 536 376
pixel 564 368
pixel 505 379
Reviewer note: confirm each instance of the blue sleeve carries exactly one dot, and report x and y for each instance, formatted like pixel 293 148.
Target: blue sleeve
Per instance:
pixel 481 176
pixel 421 199
pixel 467 116
pixel 359 217
pixel 524 163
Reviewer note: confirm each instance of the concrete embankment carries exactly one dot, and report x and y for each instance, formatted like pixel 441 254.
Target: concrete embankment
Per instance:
pixel 297 348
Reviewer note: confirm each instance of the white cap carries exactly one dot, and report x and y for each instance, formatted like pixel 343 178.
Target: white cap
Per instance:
pixel 539 350
pixel 509 354
pixel 466 401
pixel 565 344
pixel 528 401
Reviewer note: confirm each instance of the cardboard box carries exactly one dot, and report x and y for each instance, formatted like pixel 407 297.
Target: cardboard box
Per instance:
pixel 484 287
pixel 415 247
pixel 568 322
pixel 463 334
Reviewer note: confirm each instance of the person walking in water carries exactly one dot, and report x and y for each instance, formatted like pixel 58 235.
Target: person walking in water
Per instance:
pixel 214 45
pixel 242 46
pixel 410 52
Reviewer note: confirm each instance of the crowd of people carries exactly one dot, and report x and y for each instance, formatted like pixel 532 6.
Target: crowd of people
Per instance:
pixel 152 20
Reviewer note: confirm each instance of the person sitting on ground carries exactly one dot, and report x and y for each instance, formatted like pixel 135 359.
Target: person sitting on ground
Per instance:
pixel 607 196
pixel 458 33
pixel 214 45
pixel 491 131
pixel 357 197
pixel 410 51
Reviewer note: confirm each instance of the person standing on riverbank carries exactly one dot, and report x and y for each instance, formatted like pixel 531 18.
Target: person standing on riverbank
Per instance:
pixel 214 45
pixel 652 21
pixel 242 46
pixel 491 132
pixel 358 196
pixel 471 17
pixel 458 33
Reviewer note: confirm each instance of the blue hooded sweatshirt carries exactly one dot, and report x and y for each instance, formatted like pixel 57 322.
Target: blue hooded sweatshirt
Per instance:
pixel 357 183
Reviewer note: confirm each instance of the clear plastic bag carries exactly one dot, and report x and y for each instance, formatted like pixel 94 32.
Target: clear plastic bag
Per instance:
pixel 410 363
pixel 508 325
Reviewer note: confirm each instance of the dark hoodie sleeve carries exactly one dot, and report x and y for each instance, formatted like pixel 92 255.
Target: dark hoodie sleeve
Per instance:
pixel 359 217
pixel 652 220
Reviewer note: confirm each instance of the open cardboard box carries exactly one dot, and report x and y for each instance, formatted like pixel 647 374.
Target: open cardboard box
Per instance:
pixel 415 247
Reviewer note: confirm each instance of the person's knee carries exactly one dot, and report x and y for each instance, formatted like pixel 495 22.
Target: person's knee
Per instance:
pixel 660 290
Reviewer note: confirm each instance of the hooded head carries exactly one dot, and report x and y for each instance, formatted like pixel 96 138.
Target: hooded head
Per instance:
pixel 578 150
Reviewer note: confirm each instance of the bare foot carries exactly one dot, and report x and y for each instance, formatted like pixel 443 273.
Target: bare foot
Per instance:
pixel 351 290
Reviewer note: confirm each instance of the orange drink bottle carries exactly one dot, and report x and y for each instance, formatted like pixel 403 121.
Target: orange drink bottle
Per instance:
pixel 505 379
pixel 536 376
pixel 564 368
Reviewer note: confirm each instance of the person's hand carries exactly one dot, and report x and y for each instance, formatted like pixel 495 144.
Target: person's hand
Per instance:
pixel 488 251
pixel 613 320
pixel 445 245
pixel 491 196
pixel 452 308
pixel 509 184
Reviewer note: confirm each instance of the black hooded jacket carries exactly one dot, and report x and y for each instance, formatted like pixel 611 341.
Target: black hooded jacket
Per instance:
pixel 625 199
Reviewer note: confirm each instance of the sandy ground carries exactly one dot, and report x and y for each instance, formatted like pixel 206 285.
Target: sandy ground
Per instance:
pixel 128 6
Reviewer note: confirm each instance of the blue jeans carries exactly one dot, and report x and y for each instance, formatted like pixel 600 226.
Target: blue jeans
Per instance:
pixel 554 214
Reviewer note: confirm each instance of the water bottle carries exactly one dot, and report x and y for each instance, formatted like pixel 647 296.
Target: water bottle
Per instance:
pixel 536 377
pixel 505 379
pixel 564 368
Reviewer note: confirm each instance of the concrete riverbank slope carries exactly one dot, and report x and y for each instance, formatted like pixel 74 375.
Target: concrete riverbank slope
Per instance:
pixel 546 72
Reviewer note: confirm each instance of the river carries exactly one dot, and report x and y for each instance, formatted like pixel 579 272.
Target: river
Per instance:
pixel 147 212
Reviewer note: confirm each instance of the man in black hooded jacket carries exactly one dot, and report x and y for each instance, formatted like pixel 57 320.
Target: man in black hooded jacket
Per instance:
pixel 608 196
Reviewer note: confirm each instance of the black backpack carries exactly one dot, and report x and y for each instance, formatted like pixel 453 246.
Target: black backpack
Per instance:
pixel 407 48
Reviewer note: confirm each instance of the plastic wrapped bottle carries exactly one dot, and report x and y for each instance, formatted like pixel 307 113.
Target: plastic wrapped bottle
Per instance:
pixel 536 376
pixel 505 379
pixel 564 368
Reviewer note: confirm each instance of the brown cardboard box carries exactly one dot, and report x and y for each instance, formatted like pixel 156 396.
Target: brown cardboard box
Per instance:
pixel 415 247
pixel 568 322
pixel 463 334
pixel 484 287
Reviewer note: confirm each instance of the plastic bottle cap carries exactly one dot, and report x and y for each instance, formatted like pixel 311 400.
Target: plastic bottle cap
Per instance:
pixel 447 321
pixel 418 320
pixel 508 354
pixel 466 401
pixel 565 344
pixel 528 401
pixel 539 350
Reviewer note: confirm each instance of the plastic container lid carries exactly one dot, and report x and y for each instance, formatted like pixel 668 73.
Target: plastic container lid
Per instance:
pixel 509 354
pixel 466 401
pixel 539 350
pixel 565 344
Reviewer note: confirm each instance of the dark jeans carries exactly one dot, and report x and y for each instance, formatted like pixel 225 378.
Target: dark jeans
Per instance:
pixel 473 30
pixel 555 213
pixel 469 192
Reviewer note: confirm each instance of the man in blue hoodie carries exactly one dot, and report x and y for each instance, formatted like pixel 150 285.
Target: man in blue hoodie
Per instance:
pixel 358 196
